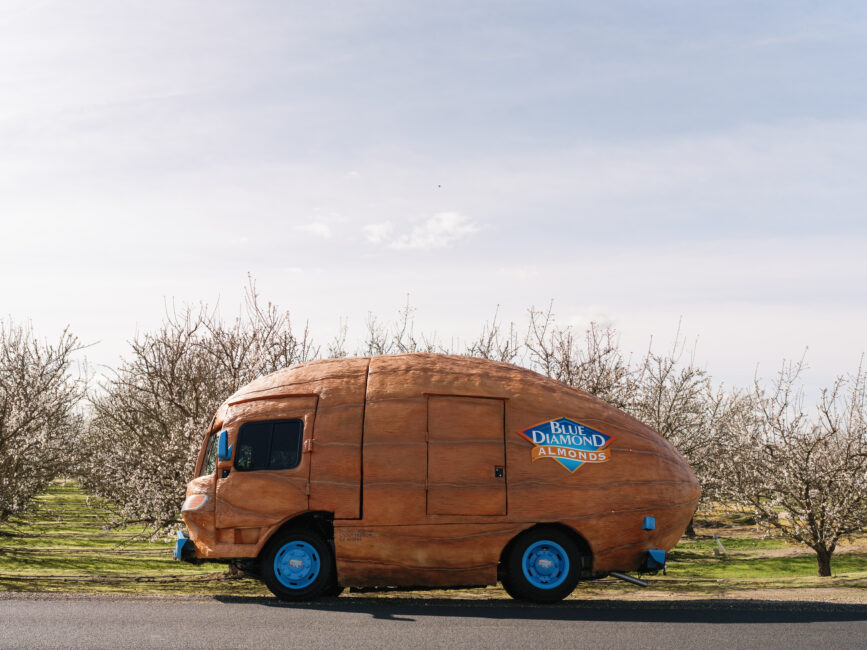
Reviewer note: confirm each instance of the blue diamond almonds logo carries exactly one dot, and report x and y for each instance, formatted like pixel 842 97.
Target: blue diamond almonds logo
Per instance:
pixel 568 442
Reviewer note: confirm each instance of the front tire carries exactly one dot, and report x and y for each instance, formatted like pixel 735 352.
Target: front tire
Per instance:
pixel 298 565
pixel 543 566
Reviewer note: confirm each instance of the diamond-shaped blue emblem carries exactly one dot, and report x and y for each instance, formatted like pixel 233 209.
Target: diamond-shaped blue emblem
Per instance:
pixel 568 442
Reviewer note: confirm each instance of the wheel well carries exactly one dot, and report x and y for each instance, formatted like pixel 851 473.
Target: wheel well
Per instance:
pixel 318 522
pixel 583 546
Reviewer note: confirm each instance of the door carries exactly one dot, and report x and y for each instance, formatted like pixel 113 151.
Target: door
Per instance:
pixel 466 456
pixel 266 479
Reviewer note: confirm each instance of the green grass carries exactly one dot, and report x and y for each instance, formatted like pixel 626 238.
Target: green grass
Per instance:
pixel 702 547
pixel 767 567
pixel 66 544
pixel 775 567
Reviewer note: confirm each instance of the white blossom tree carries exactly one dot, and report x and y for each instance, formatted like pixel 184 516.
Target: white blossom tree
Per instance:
pixel 678 400
pixel 38 421
pixel 804 477
pixel 150 414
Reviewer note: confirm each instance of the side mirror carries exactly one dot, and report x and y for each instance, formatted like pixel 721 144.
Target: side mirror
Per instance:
pixel 224 449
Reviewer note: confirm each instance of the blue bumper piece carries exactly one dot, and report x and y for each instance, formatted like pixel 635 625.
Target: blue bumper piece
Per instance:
pixel 655 560
pixel 184 549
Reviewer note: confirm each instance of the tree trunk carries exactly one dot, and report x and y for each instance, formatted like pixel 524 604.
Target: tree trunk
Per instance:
pixel 690 528
pixel 823 557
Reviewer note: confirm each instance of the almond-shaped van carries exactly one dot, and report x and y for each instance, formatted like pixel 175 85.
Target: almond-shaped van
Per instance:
pixel 430 470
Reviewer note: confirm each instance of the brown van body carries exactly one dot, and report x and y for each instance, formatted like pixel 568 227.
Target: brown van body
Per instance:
pixel 419 460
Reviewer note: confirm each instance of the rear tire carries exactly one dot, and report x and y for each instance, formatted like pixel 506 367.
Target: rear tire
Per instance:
pixel 543 566
pixel 298 565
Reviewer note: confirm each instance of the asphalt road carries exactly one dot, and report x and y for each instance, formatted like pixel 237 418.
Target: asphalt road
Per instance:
pixel 363 622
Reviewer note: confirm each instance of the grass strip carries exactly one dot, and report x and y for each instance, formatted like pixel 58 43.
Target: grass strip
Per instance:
pixel 66 544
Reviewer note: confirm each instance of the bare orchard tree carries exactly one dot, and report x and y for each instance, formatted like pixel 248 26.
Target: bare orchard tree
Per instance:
pixel 591 361
pixel 148 420
pixel 495 342
pixel 804 477
pixel 337 345
pixel 399 338
pixel 677 399
pixel 260 340
pixel 38 396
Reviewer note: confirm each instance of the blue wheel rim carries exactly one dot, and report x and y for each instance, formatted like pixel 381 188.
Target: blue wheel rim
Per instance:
pixel 545 564
pixel 297 565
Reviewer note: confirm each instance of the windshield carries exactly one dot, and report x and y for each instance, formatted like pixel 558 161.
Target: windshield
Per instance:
pixel 209 462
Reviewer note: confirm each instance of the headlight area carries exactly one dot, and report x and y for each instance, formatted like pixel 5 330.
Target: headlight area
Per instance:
pixel 194 502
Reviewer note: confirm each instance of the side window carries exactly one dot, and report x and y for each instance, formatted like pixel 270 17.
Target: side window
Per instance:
pixel 269 445
pixel 209 462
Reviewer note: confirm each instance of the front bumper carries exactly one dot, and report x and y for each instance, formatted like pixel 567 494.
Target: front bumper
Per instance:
pixel 185 550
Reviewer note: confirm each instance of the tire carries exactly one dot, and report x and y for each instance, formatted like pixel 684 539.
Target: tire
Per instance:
pixel 335 591
pixel 542 566
pixel 298 565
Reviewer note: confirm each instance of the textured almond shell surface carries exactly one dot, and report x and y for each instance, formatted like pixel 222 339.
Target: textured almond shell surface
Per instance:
pixel 404 452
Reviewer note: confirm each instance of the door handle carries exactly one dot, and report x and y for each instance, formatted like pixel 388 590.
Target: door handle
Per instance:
pixel 499 472
pixel 224 474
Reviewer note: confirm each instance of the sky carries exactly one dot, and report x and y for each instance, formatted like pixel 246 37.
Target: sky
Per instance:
pixel 641 164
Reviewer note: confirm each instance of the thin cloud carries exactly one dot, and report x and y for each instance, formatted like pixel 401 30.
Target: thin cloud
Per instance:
pixel 524 272
pixel 439 231
pixel 377 233
pixel 317 229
